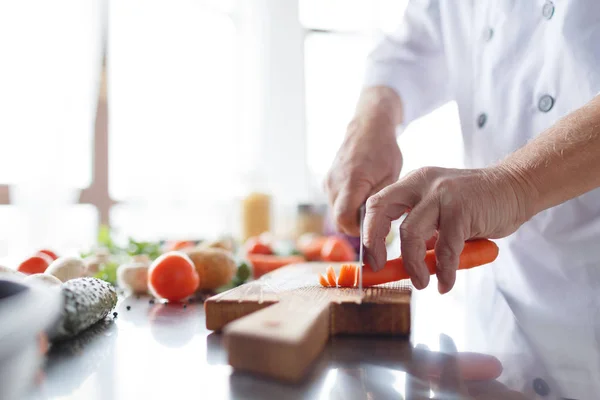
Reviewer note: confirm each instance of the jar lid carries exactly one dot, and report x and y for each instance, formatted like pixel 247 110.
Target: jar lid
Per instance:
pixel 305 208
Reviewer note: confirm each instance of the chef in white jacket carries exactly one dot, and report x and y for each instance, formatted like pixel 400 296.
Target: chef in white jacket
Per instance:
pixel 526 78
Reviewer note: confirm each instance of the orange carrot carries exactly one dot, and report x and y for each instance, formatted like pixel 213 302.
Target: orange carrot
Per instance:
pixel 323 281
pixel 347 276
pixel 311 248
pixel 475 253
pixel 331 276
pixel 265 263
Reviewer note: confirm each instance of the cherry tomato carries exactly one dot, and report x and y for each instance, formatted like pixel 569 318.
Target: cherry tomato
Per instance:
pixel 256 246
pixel 172 276
pixel 35 265
pixel 180 245
pixel 336 249
pixel 49 253
pixel 311 247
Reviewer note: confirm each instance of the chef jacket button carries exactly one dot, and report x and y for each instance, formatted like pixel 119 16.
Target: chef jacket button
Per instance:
pixel 489 34
pixel 546 103
pixel 541 387
pixel 481 120
pixel 548 10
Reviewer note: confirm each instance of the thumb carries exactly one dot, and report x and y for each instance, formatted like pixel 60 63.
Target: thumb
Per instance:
pixel 347 205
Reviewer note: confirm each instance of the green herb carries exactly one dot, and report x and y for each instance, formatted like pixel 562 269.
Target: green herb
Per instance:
pixel 86 254
pixel 151 249
pixel 242 275
pixel 105 239
pixel 108 273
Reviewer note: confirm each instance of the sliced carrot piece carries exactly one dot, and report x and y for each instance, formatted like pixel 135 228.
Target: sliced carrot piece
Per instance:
pixel 323 281
pixel 347 276
pixel 331 276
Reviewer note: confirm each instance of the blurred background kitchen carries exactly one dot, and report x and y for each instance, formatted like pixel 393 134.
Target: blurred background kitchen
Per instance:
pixel 169 119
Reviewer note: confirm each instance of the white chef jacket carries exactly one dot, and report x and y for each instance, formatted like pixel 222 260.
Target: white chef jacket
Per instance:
pixel 514 67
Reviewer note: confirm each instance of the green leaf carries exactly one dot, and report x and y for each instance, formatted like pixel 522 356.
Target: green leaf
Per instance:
pixel 104 237
pixel 151 249
pixel 108 273
pixel 86 254
pixel 243 273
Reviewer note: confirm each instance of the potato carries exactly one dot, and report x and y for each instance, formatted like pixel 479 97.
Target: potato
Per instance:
pixel 43 279
pixel 215 267
pixel 223 243
pixel 67 268
pixel 134 277
pixel 10 274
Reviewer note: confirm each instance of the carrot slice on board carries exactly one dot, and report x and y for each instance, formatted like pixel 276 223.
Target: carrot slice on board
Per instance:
pixel 323 281
pixel 347 276
pixel 331 276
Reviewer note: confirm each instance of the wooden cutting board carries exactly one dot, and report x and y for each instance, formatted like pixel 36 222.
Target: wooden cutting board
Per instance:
pixel 278 325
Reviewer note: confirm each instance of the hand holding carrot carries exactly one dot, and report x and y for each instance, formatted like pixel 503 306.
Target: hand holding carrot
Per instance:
pixel 458 205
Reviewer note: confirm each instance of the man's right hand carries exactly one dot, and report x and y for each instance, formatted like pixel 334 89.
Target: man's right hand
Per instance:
pixel 369 158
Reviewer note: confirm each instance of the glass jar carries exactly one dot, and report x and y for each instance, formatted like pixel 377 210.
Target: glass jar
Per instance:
pixel 310 218
pixel 256 214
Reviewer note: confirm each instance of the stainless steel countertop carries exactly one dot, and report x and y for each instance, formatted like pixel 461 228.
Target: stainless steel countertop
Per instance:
pixel 156 351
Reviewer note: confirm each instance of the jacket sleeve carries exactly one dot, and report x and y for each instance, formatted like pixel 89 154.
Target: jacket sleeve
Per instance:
pixel 412 61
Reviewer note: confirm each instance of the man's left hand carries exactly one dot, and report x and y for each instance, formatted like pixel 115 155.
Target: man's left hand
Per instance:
pixel 456 204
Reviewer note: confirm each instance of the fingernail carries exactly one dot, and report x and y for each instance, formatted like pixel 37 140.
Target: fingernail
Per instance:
pixel 442 288
pixel 416 282
pixel 369 259
pixel 424 278
pixel 419 281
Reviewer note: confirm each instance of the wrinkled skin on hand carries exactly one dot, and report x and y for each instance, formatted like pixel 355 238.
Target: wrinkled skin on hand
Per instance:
pixel 368 160
pixel 456 205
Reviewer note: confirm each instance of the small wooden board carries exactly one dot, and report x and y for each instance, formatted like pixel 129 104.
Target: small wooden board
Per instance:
pixel 278 325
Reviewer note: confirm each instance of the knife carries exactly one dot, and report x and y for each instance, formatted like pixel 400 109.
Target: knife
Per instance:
pixel 361 251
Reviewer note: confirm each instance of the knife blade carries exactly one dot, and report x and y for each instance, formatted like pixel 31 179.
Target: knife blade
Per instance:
pixel 361 250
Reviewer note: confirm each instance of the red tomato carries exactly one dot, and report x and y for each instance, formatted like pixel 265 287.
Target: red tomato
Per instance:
pixel 336 249
pixel 35 265
pixel 49 253
pixel 255 246
pixel 312 247
pixel 180 245
pixel 173 276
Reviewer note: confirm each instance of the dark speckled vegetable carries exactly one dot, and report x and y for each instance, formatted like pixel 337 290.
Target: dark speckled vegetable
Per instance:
pixel 86 301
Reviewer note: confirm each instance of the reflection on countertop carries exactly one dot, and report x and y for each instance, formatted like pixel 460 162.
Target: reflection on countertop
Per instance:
pixel 158 351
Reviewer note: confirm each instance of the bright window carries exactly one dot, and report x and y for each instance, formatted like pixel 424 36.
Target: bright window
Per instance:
pixel 171 101
pixel 172 109
pixel 49 83
pixel 335 56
